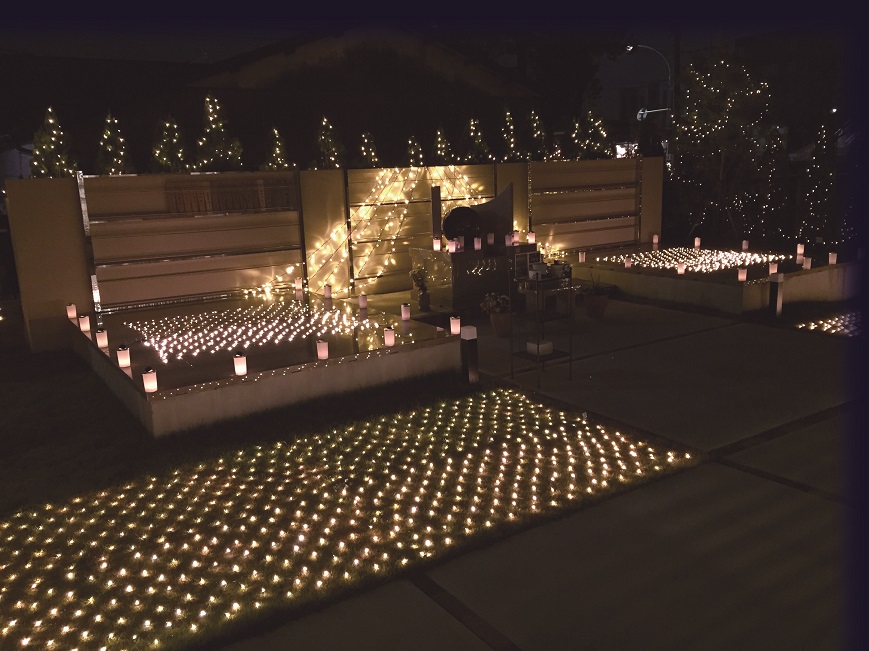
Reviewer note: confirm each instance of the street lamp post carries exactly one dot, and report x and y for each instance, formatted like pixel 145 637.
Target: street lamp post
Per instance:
pixel 643 112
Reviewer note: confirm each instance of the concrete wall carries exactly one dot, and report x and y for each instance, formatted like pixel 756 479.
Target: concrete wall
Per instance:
pixel 652 196
pixel 50 257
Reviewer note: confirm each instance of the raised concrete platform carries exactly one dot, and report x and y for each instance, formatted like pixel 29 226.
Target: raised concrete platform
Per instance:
pixel 721 289
pixel 196 390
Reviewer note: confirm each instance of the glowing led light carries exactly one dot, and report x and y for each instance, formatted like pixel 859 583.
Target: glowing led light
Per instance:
pixel 436 243
pixel 405 311
pixel 322 349
pixel 70 311
pixel 455 325
pixel 84 322
pixel 388 336
pixel 832 257
pixel 741 274
pixel 102 338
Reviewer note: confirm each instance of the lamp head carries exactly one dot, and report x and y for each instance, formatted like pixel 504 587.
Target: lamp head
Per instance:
pixel 629 47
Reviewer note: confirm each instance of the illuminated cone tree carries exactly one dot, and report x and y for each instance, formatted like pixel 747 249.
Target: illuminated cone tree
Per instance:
pixel 168 154
pixel 512 153
pixel 330 151
pixel 414 153
pixel 476 146
pixel 539 149
pixel 589 138
pixel 819 192
pixel 112 157
pixel 51 156
pixel 442 152
pixel 277 159
pixel 369 151
pixel 216 151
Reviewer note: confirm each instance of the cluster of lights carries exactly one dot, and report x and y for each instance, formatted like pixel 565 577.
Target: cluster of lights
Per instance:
pixel 479 150
pixel 169 150
pixel 215 147
pixel 414 153
pixel 257 325
pixel 589 137
pixel 113 151
pixel 508 133
pixel 50 154
pixel 165 560
pixel 442 151
pixel 330 157
pixel 540 146
pixel 848 324
pixel 278 160
pixel 369 151
pixel 696 260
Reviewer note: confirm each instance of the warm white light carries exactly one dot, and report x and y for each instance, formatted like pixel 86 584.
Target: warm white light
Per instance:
pixel 327 291
pixel 405 311
pixel 478 243
pixel 490 239
pixel 582 256
pixel 696 242
pixel 655 238
pixel 745 245
pixel 801 249
pixel 773 268
pixel 363 301
pixel 532 238
pixel 123 356
pixel 627 262
pixel 149 379
pixel 240 362
pixel 680 268
pixel 833 257
pixel 807 263
pixel 102 338
pixel 436 243
pixel 451 246
pixel 84 322
pixel 742 274
pixel 389 336
pixel 322 349
pixel 455 325
pixel 70 311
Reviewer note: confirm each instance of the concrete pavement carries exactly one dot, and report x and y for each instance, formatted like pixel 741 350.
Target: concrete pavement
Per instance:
pixel 745 550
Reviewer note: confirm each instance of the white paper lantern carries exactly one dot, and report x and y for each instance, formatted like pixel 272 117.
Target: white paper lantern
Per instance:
pixel 84 322
pixel 298 283
pixel 532 238
pixel 478 243
pixel 436 243
pixel 363 301
pixel 807 263
pixel 833 257
pixel 389 336
pixel 741 275
pixel 102 338
pixel 745 245
pixel 149 379
pixel 123 356
pixel 696 242
pixel 627 262
pixel 405 311
pixel 240 363
pixel 451 246
pixel 322 349
pixel 455 325
pixel 490 239
pixel 655 238
pixel 70 311
pixel 680 267
pixel 773 268
pixel 801 249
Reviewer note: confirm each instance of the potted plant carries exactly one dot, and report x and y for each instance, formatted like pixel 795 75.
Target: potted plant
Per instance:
pixel 497 306
pixel 596 298
pixel 419 277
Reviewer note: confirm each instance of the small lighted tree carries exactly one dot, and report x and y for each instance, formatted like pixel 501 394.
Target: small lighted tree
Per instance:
pixel 168 154
pixel 51 155
pixel 216 150
pixel 414 153
pixel 112 156
pixel 277 158
pixel 512 152
pixel 442 152
pixel 589 138
pixel 369 151
pixel 330 152
pixel 477 148
pixel 818 193
pixel 539 149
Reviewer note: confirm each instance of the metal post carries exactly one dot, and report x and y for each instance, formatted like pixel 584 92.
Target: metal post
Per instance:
pixel 776 287
pixel 470 358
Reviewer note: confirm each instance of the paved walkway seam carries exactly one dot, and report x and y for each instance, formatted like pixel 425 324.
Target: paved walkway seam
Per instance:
pixel 450 603
pixel 805 488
